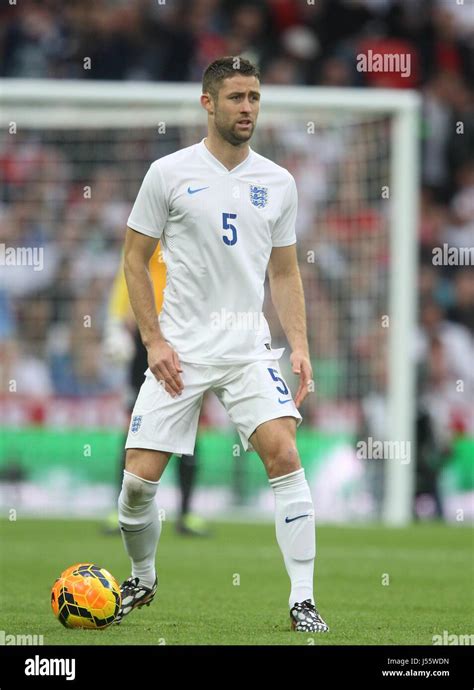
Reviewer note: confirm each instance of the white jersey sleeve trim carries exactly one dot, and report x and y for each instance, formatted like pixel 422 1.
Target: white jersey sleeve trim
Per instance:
pixel 150 210
pixel 140 229
pixel 284 244
pixel 283 233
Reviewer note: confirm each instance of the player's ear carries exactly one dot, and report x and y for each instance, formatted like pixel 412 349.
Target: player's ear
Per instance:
pixel 207 103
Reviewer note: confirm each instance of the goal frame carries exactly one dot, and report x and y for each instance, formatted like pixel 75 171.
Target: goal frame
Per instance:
pixel 64 104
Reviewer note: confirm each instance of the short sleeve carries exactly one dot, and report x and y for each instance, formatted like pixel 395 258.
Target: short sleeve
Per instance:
pixel 283 233
pixel 150 210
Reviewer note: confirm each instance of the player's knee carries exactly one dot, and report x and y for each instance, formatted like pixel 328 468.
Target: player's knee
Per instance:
pixel 282 459
pixel 136 491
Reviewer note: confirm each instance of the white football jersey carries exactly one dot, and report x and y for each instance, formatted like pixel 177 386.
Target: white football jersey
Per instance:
pixel 217 228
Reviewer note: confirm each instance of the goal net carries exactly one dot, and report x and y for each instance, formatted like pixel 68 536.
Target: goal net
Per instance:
pixel 74 155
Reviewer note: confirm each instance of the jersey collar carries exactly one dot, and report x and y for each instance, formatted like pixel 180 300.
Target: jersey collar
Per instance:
pixel 216 164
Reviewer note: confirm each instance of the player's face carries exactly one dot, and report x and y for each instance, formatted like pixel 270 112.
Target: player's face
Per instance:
pixel 236 109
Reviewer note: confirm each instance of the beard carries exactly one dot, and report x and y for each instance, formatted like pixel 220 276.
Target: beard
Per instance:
pixel 231 134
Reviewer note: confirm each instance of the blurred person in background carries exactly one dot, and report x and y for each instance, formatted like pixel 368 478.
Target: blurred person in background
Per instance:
pixel 445 352
pixel 462 309
pixel 433 441
pixel 35 41
pixel 452 343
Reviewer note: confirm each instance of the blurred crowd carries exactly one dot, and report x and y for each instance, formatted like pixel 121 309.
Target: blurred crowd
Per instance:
pixel 294 41
pixel 45 344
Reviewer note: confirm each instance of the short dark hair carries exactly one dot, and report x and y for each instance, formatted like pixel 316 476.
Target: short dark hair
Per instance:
pixel 223 68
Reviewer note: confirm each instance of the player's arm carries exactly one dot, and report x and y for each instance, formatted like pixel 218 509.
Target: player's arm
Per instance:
pixel 288 298
pixel 118 343
pixel 162 359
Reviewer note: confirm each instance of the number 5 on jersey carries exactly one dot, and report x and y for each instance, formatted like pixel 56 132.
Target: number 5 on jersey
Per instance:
pixel 228 226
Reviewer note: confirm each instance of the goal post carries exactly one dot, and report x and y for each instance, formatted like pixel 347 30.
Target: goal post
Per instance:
pixel 399 479
pixel 63 106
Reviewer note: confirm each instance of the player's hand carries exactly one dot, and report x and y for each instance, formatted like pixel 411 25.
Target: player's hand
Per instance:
pixel 301 365
pixel 164 364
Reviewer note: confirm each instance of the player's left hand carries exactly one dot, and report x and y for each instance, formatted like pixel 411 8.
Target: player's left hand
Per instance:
pixel 301 365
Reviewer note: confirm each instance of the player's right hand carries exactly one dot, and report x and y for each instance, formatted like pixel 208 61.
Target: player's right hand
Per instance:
pixel 164 364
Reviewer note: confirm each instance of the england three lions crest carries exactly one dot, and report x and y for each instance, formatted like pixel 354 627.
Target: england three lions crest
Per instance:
pixel 259 196
pixel 136 423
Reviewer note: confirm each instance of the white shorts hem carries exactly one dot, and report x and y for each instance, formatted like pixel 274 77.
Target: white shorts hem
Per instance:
pixel 267 418
pixel 163 447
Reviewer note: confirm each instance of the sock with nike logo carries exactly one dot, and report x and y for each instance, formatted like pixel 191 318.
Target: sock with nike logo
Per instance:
pixel 295 532
pixel 140 525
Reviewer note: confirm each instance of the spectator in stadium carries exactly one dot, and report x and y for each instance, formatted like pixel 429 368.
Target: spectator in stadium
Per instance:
pixel 462 309
pixel 450 342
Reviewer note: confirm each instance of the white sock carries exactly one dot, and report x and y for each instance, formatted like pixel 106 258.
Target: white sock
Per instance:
pixel 295 532
pixel 140 525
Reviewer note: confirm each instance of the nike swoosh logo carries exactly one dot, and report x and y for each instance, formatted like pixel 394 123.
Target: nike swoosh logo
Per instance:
pixel 282 402
pixel 135 531
pixel 193 191
pixel 287 519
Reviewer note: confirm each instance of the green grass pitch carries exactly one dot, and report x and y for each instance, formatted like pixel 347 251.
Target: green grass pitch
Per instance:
pixel 233 589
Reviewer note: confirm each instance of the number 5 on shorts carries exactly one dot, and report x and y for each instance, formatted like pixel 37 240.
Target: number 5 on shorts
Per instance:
pixel 274 374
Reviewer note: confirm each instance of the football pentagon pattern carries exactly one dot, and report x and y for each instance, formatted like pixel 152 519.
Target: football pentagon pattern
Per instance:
pixel 85 596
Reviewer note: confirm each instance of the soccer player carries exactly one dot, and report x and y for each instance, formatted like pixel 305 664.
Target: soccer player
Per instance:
pixel 223 214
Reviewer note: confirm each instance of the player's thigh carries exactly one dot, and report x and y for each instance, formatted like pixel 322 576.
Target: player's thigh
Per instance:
pixel 254 394
pixel 147 464
pixel 270 436
pixel 165 424
pixel 275 442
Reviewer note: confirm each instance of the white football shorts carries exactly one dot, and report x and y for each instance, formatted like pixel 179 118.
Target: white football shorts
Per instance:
pixel 251 392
